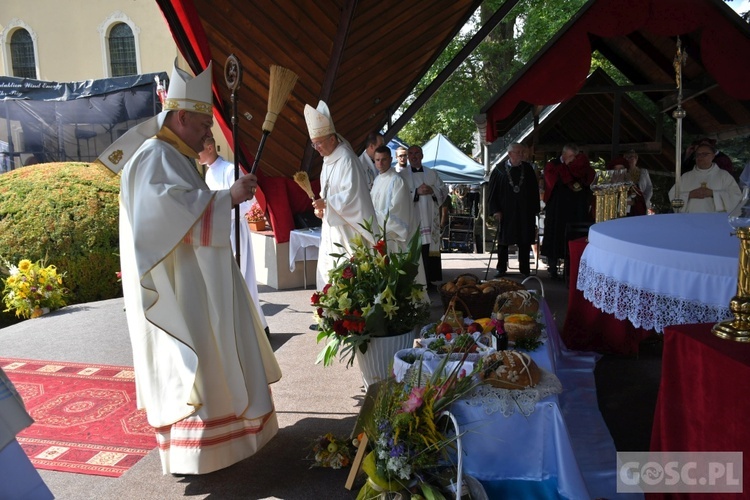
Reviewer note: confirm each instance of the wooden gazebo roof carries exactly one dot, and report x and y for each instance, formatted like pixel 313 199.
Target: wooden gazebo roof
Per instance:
pixel 362 57
pixel 639 37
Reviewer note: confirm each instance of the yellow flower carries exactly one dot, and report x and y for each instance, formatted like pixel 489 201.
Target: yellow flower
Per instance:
pixel 24 265
pixel 344 301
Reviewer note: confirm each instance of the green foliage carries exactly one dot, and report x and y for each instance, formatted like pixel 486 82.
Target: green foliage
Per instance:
pixel 450 111
pixel 66 214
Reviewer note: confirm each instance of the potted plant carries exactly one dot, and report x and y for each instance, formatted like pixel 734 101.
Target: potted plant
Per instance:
pixel 33 289
pixel 256 218
pixel 371 299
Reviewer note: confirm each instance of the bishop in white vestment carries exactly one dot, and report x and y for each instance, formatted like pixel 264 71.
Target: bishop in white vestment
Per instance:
pixel 345 199
pixel 202 362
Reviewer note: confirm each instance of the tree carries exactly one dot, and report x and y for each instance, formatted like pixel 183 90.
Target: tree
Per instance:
pixel 450 111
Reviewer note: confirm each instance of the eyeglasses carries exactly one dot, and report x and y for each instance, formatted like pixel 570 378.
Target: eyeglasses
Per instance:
pixel 317 144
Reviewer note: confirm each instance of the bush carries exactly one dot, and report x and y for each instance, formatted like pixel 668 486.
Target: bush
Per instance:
pixel 66 214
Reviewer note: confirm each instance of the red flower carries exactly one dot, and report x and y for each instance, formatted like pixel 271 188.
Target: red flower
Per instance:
pixel 347 273
pixel 354 322
pixel 320 312
pixel 339 328
pixel 315 299
pixel 325 288
pixel 380 247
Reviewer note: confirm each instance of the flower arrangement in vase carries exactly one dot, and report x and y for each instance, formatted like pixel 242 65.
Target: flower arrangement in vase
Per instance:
pixel 256 218
pixel 33 288
pixel 371 293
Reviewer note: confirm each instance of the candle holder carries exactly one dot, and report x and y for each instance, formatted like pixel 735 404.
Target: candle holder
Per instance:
pixel 738 329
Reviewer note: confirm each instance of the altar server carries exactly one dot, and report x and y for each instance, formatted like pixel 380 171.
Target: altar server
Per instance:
pixel 202 362
pixel 707 188
pixel 345 198
pixel 220 175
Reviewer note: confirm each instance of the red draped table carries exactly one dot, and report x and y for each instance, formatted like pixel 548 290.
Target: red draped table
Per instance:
pixel 703 402
pixel 587 328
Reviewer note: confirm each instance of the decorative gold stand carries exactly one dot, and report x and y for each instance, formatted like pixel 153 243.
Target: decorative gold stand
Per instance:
pixel 738 329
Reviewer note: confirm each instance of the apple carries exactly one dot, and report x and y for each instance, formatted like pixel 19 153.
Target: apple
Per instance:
pixel 475 327
pixel 443 328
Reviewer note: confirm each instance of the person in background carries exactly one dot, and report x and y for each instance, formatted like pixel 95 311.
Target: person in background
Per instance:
pixel 367 158
pixel 567 198
pixel 401 159
pixel 345 198
pixel 722 161
pixel 514 203
pixel 428 193
pixel 220 175
pixel 639 196
pixel 202 362
pixel 707 188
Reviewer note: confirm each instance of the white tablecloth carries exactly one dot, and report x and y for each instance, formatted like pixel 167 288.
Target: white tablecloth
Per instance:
pixel 303 246
pixel 661 270
pixel 565 438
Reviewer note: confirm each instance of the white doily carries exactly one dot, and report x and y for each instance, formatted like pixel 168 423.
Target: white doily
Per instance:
pixel 643 308
pixel 506 401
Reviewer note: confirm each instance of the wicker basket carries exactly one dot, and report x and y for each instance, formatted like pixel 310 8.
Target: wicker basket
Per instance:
pixel 477 303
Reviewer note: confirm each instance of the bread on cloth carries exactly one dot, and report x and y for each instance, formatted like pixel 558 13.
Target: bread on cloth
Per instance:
pixel 510 370
pixel 521 326
pixel 517 302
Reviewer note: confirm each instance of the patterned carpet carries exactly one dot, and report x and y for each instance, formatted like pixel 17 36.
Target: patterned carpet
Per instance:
pixel 85 416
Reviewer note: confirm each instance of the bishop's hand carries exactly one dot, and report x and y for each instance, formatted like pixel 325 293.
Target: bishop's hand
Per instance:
pixel 243 189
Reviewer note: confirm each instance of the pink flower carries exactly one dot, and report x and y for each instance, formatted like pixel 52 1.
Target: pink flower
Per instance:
pixel 415 400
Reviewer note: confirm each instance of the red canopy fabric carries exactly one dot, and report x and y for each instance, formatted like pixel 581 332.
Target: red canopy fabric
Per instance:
pixel 560 71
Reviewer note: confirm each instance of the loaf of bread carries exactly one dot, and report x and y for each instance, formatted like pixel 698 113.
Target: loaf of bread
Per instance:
pixel 521 326
pixel 517 302
pixel 510 370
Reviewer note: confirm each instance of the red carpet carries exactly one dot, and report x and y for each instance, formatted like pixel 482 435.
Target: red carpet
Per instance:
pixel 85 416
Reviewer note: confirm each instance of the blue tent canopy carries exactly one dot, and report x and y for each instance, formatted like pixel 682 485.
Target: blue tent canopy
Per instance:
pixel 452 165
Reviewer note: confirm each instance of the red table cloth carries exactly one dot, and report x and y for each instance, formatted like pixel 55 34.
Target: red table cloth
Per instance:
pixel 703 399
pixel 587 328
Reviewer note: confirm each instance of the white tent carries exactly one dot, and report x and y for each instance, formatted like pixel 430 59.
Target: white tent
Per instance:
pixel 452 165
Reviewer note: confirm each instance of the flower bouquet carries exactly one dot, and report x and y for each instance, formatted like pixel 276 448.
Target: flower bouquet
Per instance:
pixel 411 437
pixel 256 218
pixel 371 293
pixel 31 289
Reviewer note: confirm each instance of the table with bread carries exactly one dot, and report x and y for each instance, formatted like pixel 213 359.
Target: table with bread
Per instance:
pixel 512 425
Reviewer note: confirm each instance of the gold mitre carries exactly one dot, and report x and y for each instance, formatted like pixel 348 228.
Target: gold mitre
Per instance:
pixel 319 122
pixel 185 93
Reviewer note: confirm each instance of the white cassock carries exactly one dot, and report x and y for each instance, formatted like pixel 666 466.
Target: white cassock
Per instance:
pixel 428 205
pixel 202 360
pixel 220 175
pixel 368 168
pixel 390 197
pixel 726 196
pixel 343 186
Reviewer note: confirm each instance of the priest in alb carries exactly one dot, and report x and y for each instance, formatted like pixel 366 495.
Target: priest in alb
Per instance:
pixel 344 196
pixel 202 362
pixel 707 188
pixel 394 208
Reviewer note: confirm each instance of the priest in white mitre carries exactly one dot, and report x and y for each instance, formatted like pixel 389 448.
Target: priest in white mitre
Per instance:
pixel 707 188
pixel 220 175
pixel 391 200
pixel 428 193
pixel 202 362
pixel 344 197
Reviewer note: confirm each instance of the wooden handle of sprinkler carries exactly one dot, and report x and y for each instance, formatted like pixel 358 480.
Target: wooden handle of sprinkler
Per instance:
pixel 256 162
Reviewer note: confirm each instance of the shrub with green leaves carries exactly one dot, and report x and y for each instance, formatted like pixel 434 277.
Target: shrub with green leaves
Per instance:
pixel 67 215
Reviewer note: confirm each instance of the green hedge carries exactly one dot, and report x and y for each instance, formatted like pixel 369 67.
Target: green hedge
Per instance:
pixel 68 214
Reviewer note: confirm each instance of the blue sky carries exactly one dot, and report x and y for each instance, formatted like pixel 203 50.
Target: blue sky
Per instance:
pixel 740 5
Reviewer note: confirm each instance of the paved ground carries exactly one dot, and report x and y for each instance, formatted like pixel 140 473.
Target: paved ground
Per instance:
pixel 310 400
